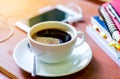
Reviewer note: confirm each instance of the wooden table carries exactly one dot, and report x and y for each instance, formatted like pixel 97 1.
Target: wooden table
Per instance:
pixel 100 67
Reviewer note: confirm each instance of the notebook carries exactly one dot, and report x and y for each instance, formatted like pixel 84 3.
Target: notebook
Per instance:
pixel 116 9
pixel 116 5
pixel 110 51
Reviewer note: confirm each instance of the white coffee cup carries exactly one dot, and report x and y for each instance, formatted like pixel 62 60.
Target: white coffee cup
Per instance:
pixel 54 53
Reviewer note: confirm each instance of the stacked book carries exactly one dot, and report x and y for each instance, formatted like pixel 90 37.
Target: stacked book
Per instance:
pixel 105 29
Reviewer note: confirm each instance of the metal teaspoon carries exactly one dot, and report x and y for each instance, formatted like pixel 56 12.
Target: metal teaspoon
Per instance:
pixel 34 62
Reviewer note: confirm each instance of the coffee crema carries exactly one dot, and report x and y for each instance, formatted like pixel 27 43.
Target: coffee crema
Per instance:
pixel 51 36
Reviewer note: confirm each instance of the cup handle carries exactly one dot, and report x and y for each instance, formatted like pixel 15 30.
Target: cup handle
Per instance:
pixel 82 38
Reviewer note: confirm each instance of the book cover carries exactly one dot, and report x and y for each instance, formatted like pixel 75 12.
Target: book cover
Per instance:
pixel 95 20
pixel 116 5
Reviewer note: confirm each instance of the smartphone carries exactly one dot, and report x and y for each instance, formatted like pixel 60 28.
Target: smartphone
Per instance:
pixel 59 13
pixel 52 15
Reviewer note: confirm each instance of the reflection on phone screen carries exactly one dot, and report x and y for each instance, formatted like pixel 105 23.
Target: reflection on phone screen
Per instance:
pixel 52 15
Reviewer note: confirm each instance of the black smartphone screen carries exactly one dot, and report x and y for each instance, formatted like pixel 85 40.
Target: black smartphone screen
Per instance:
pixel 52 15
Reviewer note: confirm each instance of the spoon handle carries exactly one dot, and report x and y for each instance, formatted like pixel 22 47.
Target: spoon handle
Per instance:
pixel 34 62
pixel 34 67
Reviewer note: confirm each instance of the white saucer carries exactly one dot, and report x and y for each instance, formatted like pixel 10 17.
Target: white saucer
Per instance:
pixel 78 60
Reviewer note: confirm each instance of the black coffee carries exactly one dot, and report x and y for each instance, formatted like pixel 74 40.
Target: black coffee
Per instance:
pixel 55 34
